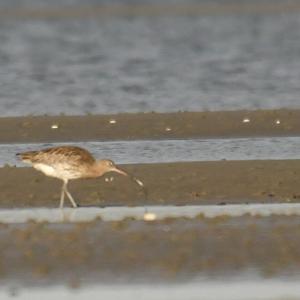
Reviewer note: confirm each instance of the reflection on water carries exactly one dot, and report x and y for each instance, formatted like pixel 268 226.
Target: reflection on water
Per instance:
pixel 162 63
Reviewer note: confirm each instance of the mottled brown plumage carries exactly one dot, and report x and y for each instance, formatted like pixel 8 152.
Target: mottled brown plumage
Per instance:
pixel 69 162
pixel 64 154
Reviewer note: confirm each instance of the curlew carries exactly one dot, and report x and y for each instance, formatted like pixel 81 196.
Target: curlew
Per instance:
pixel 70 162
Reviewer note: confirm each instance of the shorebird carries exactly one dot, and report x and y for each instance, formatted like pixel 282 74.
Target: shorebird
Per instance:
pixel 69 162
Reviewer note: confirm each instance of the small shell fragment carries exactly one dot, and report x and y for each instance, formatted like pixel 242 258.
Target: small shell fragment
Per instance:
pixel 109 179
pixel 277 122
pixel 149 216
pixel 246 120
pixel 168 129
pixel 139 182
pixel 54 126
pixel 112 121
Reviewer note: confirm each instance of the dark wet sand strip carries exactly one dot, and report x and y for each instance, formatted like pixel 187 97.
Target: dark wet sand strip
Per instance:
pixel 181 125
pixel 172 183
pixel 169 250
pixel 152 10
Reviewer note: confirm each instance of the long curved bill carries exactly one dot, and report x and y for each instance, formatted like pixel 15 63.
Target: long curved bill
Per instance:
pixel 120 171
pixel 137 181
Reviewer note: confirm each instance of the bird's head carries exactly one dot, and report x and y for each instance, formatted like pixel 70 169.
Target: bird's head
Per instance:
pixel 106 165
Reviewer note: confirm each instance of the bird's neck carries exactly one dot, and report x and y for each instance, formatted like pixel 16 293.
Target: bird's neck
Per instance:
pixel 94 171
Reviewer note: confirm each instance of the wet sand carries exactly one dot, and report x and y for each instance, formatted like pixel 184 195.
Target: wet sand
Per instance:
pixel 136 251
pixel 181 125
pixel 152 10
pixel 172 183
pixel 179 183
pixel 169 250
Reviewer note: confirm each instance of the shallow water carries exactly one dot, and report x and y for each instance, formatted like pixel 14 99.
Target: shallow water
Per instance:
pixel 236 289
pixel 161 63
pixel 88 214
pixel 161 151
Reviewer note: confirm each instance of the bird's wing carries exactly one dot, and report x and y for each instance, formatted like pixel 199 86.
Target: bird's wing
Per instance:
pixel 57 155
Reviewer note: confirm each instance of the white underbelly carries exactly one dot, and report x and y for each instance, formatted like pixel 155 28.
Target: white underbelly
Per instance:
pixel 47 170
pixel 61 171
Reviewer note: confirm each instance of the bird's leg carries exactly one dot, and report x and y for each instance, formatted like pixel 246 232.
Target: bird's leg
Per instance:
pixel 69 195
pixel 62 196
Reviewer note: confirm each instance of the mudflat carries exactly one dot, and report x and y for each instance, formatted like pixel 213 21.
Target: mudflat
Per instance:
pixel 160 251
pixel 171 183
pixel 181 125
pixel 179 183
pixel 170 249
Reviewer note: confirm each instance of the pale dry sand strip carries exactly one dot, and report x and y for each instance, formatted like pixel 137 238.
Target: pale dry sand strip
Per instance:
pixel 88 214
pixel 262 289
